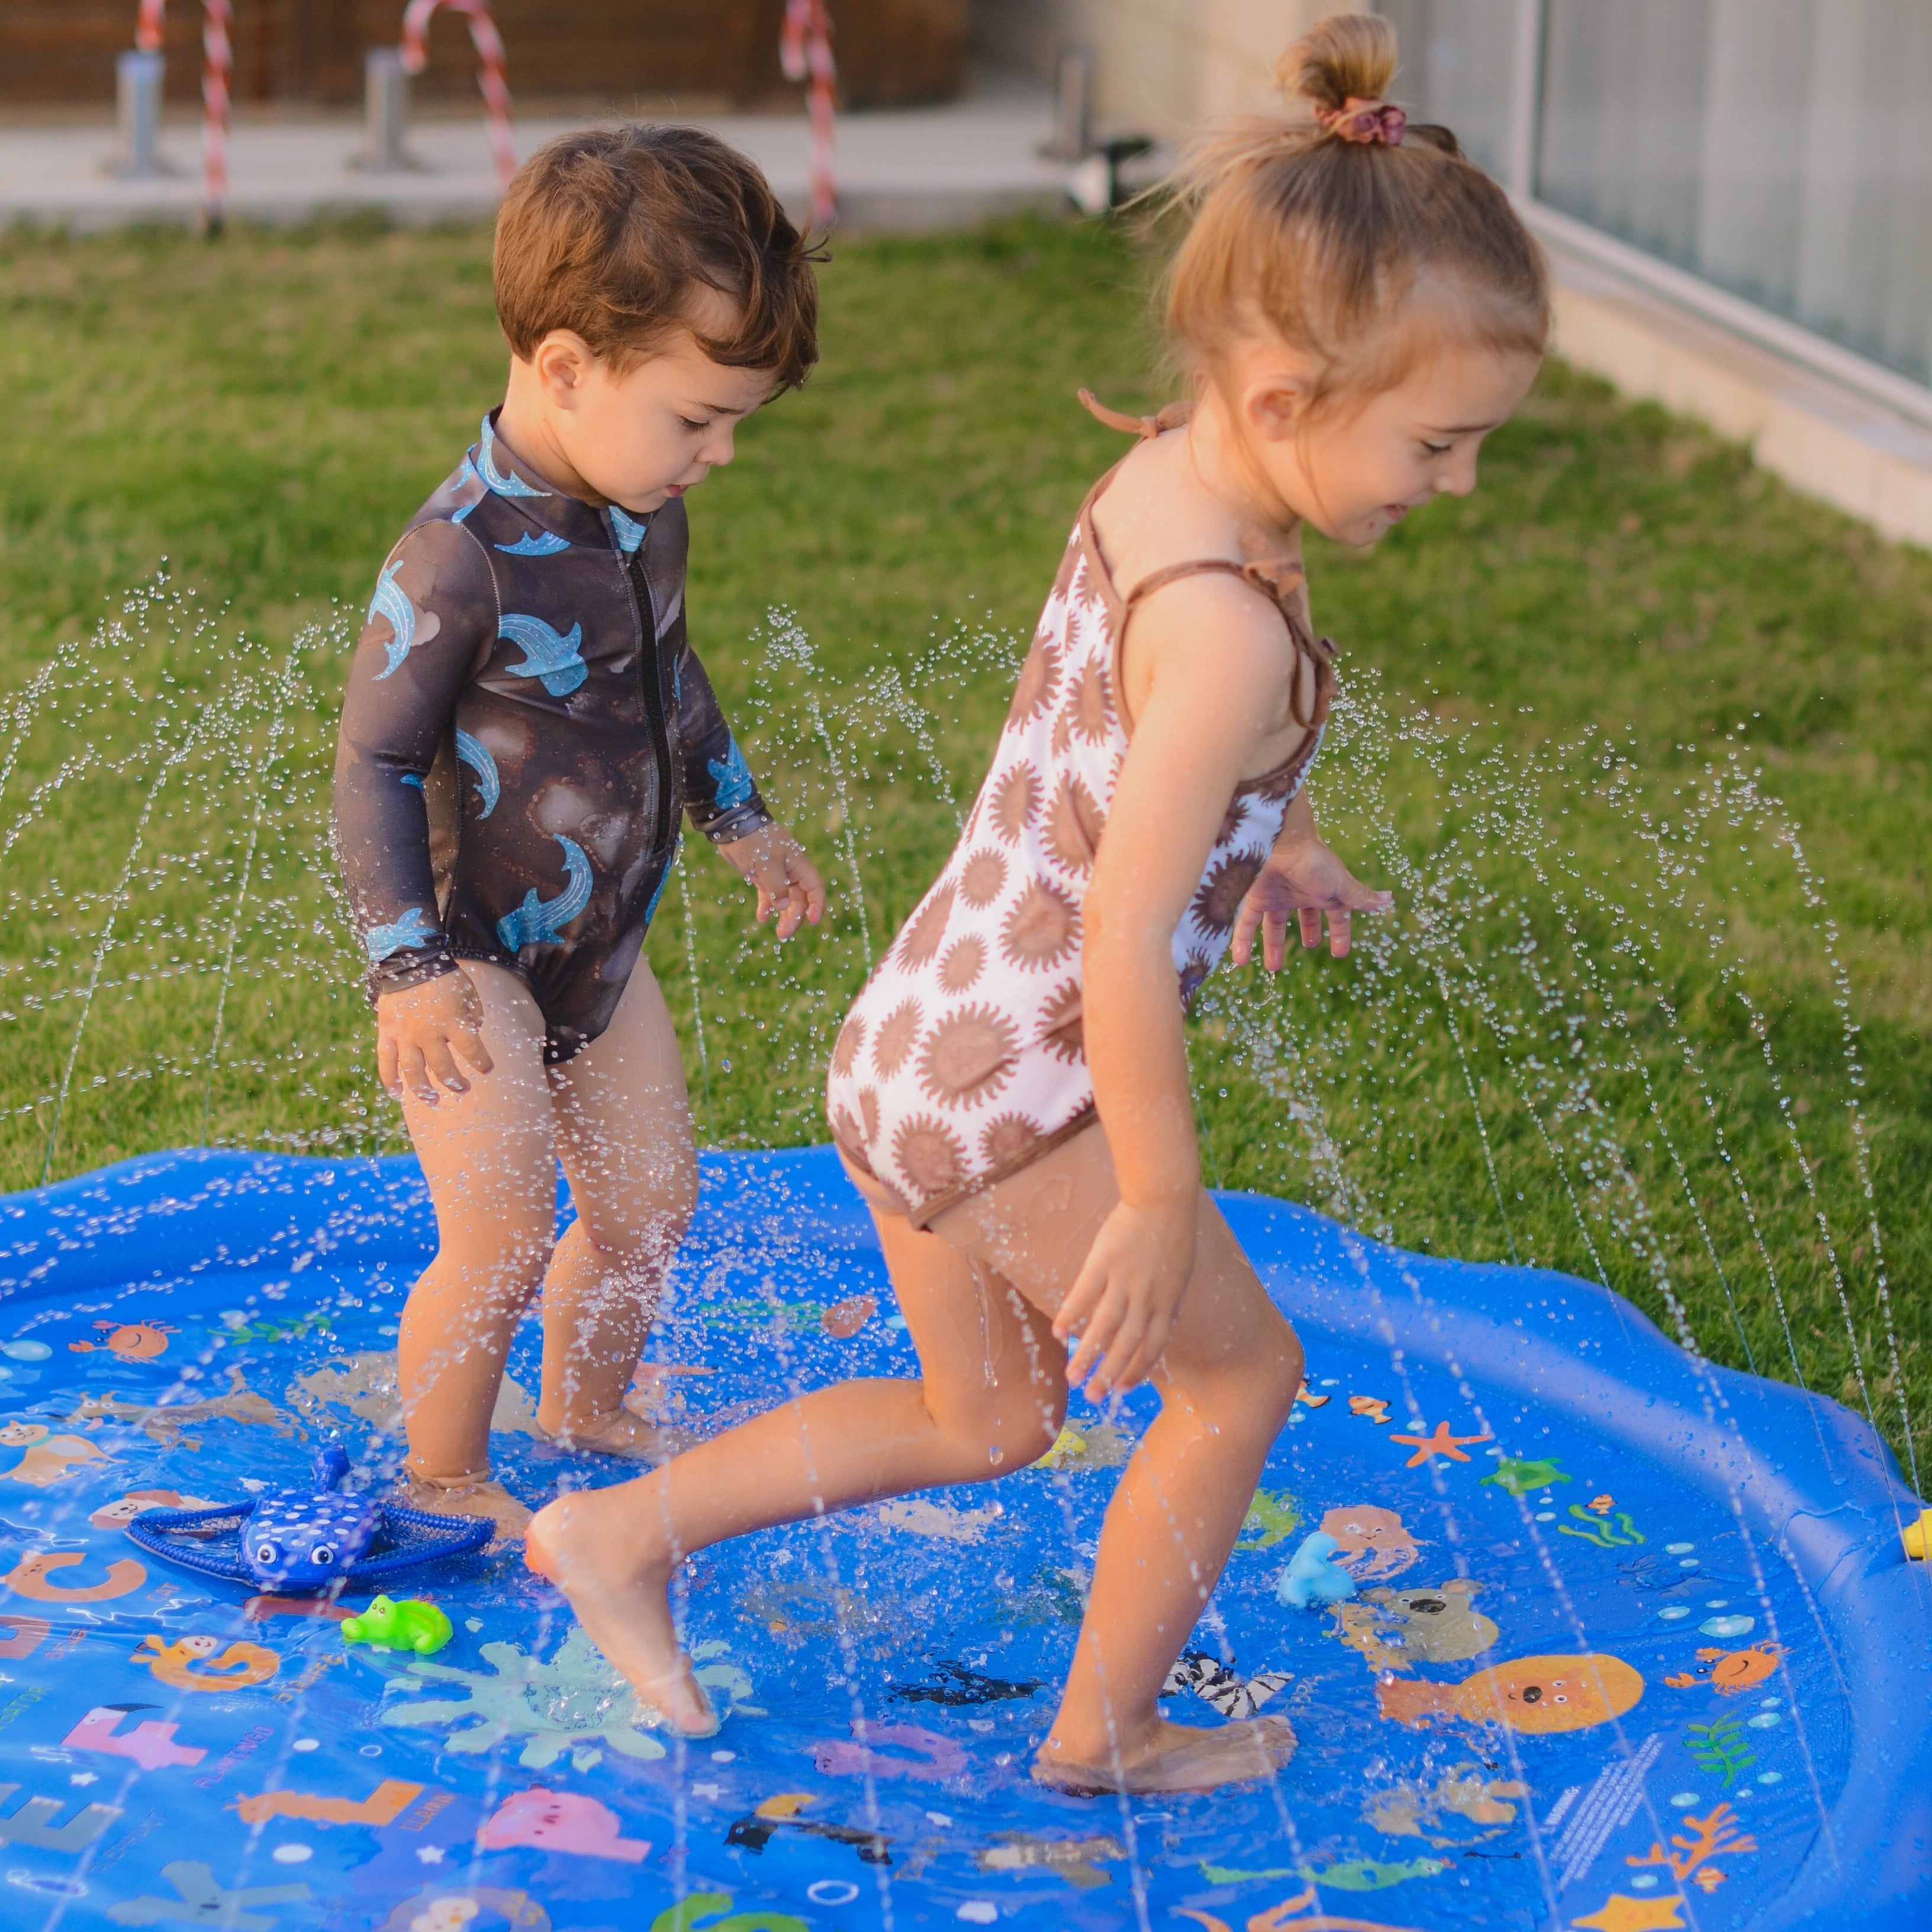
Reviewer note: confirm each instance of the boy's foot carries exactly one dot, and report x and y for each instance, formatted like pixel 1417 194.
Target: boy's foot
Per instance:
pixel 1177 1758
pixel 622 1600
pixel 625 1435
pixel 469 1496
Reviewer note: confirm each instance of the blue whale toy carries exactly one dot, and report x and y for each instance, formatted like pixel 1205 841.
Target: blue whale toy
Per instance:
pixel 318 1538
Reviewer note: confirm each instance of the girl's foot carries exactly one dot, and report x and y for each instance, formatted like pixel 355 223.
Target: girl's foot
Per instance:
pixel 622 1600
pixel 467 1495
pixel 625 1435
pixel 1176 1758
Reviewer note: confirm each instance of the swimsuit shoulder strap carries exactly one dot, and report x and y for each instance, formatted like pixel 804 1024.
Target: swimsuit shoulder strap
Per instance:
pixel 1171 416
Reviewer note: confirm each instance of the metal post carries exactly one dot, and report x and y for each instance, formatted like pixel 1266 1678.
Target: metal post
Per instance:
pixel 385 111
pixel 1073 106
pixel 1525 107
pixel 137 86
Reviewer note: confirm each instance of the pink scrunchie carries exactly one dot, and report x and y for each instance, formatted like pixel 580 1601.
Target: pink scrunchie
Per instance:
pixel 1364 121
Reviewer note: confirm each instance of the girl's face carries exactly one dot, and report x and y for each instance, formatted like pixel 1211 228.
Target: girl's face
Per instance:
pixel 1355 469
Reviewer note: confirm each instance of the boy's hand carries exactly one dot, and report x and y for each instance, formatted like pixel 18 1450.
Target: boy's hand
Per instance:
pixel 1125 1298
pixel 421 1030
pixel 788 882
pixel 1305 876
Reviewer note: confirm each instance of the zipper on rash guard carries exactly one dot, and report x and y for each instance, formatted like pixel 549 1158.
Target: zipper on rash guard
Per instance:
pixel 653 685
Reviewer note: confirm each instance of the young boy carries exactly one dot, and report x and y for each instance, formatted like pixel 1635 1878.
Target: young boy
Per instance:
pixel 524 724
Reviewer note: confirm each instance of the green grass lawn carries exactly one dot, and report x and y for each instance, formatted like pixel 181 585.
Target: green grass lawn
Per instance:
pixel 1639 736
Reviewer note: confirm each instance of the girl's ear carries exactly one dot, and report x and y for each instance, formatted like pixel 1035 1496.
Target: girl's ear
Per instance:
pixel 1275 404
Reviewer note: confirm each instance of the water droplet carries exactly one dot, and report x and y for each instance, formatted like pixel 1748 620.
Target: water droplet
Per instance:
pixel 25 1352
pixel 1684 1800
pixel 1718 1604
pixel 307 1745
pixel 372 1750
pixel 939 1819
pixel 723 1757
pixel 1546 1516
pixel 1765 1719
pixel 292 1855
pixel 1642 1882
pixel 1673 1612
pixel 979 1912
pixel 1679 1548
pixel 1686 1562
pixel 832 1892
pixel 1770 1703
pixel 1771 1778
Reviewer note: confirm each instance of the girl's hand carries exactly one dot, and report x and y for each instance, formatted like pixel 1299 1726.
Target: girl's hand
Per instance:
pixel 1305 876
pixel 421 1029
pixel 787 881
pixel 1125 1298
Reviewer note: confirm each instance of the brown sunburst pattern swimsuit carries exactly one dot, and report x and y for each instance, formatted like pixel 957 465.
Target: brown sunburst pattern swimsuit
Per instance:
pixel 962 1058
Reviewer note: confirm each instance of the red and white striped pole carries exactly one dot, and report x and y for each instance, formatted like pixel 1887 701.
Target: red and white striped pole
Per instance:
pixel 217 65
pixel 489 81
pixel 805 51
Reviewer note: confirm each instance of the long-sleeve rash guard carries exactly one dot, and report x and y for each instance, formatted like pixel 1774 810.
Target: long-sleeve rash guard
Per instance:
pixel 526 724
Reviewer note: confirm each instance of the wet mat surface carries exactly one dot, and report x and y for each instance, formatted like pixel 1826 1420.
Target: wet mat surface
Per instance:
pixel 1711 1655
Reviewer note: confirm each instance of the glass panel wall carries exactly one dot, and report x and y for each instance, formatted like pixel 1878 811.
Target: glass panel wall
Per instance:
pixel 1781 149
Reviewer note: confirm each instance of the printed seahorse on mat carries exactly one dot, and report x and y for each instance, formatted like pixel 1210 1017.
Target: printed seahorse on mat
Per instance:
pixel 538 922
pixel 555 659
pixel 732 777
pixel 413 928
pixel 474 753
pixel 630 529
pixel 392 601
pixel 546 544
pixel 505 482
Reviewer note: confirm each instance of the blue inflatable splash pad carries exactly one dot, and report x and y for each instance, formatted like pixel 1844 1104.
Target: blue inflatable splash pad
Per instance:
pixel 1699 1576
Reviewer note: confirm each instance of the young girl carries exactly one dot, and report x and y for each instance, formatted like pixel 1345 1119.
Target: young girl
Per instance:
pixel 1358 306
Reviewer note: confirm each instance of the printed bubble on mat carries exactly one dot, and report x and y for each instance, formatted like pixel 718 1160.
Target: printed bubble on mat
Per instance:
pixel 1573 1631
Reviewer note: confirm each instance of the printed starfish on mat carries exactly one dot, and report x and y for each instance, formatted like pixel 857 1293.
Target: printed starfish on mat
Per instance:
pixel 1623 1914
pixel 1441 1443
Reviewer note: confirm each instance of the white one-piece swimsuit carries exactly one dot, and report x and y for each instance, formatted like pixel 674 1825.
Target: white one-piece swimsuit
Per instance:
pixel 962 1059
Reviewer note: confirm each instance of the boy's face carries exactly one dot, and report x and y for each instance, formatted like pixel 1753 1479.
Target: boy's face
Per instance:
pixel 638 439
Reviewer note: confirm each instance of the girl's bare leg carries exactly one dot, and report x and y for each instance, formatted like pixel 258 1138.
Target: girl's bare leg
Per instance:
pixel 1227 1381
pixel 488 1157
pixel 623 1132
pixel 990 1401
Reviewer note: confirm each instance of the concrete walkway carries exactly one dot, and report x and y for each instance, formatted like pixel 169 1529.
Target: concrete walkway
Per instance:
pixel 925 168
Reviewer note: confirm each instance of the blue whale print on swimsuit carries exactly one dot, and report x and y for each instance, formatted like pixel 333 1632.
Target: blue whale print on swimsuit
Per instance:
pixel 538 922
pixel 391 601
pixel 505 482
pixel 556 660
pixel 467 474
pixel 474 753
pixel 546 544
pixel 314 1538
pixel 734 777
pixel 413 928
pixel 630 529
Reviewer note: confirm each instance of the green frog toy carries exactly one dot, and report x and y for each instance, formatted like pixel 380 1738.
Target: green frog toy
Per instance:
pixel 412 1624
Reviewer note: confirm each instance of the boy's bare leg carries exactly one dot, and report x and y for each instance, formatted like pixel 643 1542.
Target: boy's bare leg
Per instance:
pixel 488 1157
pixel 623 1132
pixel 990 1401
pixel 1227 1381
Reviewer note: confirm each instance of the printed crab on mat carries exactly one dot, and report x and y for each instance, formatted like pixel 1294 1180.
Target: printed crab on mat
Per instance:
pixel 574 1703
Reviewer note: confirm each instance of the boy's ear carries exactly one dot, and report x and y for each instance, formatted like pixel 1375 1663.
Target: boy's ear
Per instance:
pixel 563 362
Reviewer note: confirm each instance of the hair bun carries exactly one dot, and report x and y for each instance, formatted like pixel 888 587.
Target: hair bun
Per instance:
pixel 1346 57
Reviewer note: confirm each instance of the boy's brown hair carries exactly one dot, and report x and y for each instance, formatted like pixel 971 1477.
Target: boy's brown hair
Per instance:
pixel 610 233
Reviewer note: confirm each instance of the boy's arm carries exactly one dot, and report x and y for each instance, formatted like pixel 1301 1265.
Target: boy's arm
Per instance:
pixel 719 792
pixel 723 800
pixel 434 607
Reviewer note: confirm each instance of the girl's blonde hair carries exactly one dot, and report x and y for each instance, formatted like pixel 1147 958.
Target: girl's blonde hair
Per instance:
pixel 1362 253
